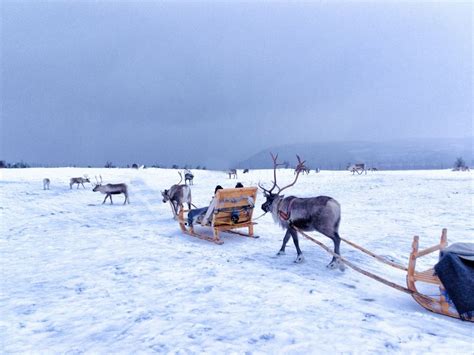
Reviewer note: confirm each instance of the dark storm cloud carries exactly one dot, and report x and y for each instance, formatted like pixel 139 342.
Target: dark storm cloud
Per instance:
pixel 209 83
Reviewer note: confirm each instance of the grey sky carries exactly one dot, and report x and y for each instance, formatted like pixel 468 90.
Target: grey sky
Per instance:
pixel 211 83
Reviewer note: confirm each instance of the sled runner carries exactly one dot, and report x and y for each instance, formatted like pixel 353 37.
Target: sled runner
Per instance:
pixel 234 210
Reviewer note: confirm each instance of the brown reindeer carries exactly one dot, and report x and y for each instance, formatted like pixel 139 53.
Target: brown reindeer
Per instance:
pixel 321 214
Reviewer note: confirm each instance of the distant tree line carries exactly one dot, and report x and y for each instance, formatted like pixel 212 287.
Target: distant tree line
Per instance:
pixel 18 165
pixel 109 164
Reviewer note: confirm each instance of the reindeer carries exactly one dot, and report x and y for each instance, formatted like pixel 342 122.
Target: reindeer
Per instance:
pixel 321 214
pixel 78 180
pixel 305 170
pixel 232 173
pixel 46 182
pixel 111 189
pixel 246 171
pixel 188 177
pixel 177 195
pixel 357 168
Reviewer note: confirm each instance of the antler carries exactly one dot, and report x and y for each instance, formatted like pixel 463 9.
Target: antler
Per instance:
pixel 97 181
pixel 181 177
pixel 299 168
pixel 275 165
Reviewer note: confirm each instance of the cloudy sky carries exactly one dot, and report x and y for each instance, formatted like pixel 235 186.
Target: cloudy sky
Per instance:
pixel 213 82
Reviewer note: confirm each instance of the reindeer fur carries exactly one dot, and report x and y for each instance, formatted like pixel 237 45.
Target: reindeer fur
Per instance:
pixel 177 195
pixel 321 214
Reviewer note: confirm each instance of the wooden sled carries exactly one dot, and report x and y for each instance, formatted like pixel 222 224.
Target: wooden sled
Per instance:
pixel 228 201
pixel 436 304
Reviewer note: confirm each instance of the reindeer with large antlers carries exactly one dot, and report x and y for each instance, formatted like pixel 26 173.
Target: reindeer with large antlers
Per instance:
pixel 321 214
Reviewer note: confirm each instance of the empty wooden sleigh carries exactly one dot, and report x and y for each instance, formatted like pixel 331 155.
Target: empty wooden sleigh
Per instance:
pixel 438 304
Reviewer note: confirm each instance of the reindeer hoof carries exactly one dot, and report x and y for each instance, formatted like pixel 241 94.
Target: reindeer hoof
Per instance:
pixel 281 252
pixel 332 265
pixel 342 267
pixel 299 259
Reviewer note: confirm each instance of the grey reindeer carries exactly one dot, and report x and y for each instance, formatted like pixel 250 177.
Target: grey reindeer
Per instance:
pixel 232 173
pixel 188 177
pixel 321 214
pixel 177 195
pixel 111 189
pixel 78 180
pixel 46 183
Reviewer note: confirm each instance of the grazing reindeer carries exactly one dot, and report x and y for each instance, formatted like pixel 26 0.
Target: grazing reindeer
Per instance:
pixel 321 214
pixel 111 189
pixel 177 195
pixel 232 173
pixel 46 182
pixel 78 180
pixel 188 177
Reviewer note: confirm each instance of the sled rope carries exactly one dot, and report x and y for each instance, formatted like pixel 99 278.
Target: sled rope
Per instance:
pixel 362 271
pixel 368 252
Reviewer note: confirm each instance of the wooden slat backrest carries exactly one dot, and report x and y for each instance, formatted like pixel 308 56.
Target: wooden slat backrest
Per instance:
pixel 238 199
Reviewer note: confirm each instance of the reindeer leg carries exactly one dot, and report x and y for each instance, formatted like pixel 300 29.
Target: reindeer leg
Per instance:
pixel 336 263
pixel 105 199
pixel 110 197
pixel 175 209
pixel 294 235
pixel 285 240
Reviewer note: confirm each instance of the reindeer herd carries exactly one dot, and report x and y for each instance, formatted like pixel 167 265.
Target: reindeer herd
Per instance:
pixel 321 213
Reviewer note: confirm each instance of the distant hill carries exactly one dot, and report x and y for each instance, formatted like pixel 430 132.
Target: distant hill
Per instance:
pixel 396 154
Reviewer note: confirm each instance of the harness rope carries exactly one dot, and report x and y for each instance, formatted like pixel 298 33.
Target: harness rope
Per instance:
pixel 362 271
pixel 368 252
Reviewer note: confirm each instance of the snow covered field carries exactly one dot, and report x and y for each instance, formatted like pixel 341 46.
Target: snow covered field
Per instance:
pixel 78 276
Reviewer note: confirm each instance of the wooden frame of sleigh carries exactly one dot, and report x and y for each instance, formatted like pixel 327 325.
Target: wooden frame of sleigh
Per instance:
pixel 240 201
pixel 437 304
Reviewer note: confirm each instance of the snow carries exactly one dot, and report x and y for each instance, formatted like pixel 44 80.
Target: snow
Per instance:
pixel 78 276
